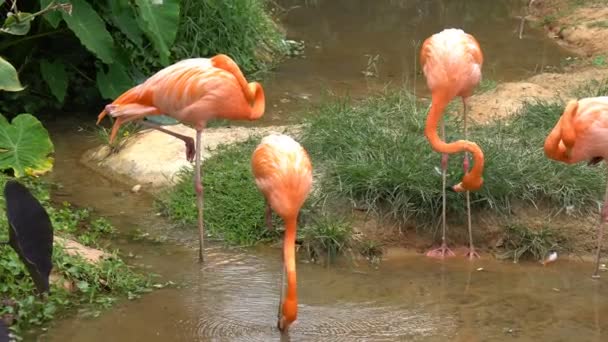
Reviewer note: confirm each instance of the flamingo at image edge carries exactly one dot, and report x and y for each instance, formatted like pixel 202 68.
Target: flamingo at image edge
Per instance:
pixel 581 134
pixel 192 91
pixel 451 61
pixel 283 173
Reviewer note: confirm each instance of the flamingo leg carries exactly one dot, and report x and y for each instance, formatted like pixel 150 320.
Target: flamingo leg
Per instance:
pixel 600 233
pixel 268 216
pixel 465 164
pixel 442 251
pixel 280 313
pixel 188 140
pixel 198 187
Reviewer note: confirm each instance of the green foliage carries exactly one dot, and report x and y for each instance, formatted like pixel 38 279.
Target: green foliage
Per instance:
pixel 56 77
pixel 95 285
pixel 375 154
pixel 9 80
pixel 25 146
pixel 234 207
pixel 159 24
pixel 91 30
pixel 241 29
pixel 101 48
pixel 525 242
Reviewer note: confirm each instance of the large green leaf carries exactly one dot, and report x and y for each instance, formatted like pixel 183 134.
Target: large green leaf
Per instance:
pixel 114 83
pixel 9 80
pixel 25 146
pixel 123 16
pixel 159 20
pixel 56 77
pixel 18 24
pixel 90 29
pixel 53 17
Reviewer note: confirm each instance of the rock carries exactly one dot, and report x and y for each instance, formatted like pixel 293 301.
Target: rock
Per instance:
pixel 135 189
pixel 153 159
pixel 71 247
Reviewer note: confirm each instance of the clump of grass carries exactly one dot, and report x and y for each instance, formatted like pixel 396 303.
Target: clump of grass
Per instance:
pixel 242 29
pixel 372 250
pixel 124 132
pixel 375 154
pixel 234 207
pixel 97 285
pixel 327 236
pixel 592 88
pixel 523 242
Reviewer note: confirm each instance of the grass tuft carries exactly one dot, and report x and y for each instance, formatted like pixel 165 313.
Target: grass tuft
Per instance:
pixel 328 236
pixel 522 242
pixel 375 154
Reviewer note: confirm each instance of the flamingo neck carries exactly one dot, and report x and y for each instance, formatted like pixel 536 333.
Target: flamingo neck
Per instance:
pixel 290 302
pixel 259 100
pixel 472 180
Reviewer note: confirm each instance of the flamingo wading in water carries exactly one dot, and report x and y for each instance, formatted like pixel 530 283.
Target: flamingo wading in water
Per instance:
pixel 283 173
pixel 192 91
pixel 581 134
pixel 451 61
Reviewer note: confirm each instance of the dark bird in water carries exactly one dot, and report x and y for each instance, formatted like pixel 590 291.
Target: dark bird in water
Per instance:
pixel 30 235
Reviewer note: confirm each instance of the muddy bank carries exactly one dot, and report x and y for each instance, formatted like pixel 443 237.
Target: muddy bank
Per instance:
pixel 580 26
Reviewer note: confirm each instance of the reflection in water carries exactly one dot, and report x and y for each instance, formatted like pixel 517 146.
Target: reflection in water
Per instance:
pixel 342 36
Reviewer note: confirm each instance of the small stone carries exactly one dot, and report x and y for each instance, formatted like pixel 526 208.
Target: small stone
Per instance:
pixel 136 188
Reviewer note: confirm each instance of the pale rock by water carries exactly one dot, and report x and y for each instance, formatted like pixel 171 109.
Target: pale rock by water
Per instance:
pixel 154 159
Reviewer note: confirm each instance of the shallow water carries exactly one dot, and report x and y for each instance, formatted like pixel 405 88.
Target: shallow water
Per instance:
pixel 234 296
pixel 341 35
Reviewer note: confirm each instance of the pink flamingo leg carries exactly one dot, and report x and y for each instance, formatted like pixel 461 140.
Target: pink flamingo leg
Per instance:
pixel 465 164
pixel 600 233
pixel 442 251
pixel 198 187
pixel 188 140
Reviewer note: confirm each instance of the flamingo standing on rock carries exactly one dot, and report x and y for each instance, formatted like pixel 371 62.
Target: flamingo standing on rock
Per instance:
pixel 451 61
pixel 581 134
pixel 192 91
pixel 283 173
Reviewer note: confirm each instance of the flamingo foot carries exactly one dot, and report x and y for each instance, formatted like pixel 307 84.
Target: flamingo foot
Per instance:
pixel 472 254
pixel 190 150
pixel 440 252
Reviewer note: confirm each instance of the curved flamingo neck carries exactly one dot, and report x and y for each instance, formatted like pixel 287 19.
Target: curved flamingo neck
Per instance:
pixel 259 100
pixel 253 91
pixel 290 302
pixel 472 180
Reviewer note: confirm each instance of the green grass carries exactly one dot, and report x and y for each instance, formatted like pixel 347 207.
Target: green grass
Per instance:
pixel 242 29
pixel 97 286
pixel 234 207
pixel 522 242
pixel 328 236
pixel 598 24
pixel 374 154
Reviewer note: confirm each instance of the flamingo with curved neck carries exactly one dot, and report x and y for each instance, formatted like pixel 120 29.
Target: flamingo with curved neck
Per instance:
pixel 451 61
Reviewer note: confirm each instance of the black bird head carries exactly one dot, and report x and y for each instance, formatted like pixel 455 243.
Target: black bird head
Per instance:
pixel 30 233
